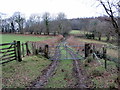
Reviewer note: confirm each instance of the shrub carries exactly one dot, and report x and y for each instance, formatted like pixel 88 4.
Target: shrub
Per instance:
pixel 89 59
pixel 96 73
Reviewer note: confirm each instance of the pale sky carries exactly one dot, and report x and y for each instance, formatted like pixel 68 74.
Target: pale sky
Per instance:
pixel 72 8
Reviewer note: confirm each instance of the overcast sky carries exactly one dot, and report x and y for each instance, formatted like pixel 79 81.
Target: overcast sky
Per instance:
pixel 72 8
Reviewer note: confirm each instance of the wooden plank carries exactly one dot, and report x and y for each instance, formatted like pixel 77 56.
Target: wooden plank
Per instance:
pixel 27 49
pixel 15 49
pixel 8 54
pixel 7 44
pixel 8 58
pixel 8 61
pixel 7 48
pixel 7 51
pixel 10 50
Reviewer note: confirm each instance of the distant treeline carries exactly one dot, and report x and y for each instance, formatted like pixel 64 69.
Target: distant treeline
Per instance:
pixel 47 24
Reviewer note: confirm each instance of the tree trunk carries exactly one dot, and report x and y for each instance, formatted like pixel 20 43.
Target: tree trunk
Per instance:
pixel 100 37
pixel 118 51
pixel 108 38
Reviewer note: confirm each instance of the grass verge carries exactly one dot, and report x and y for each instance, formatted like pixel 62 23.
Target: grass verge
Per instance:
pixel 101 77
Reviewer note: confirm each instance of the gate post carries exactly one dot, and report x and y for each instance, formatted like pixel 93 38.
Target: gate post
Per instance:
pixel 46 51
pixel 19 52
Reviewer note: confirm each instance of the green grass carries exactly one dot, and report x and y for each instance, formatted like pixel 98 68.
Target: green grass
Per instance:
pixel 7 38
pixel 82 32
pixel 20 74
pixel 64 53
pixel 74 32
pixel 97 42
pixel 91 41
pixel 78 32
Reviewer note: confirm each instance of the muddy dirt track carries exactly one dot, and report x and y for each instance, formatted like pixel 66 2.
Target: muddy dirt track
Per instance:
pixel 78 72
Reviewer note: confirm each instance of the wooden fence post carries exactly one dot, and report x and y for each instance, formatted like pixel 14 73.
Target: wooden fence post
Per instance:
pixel 23 49
pixel 19 51
pixel 33 48
pixel 46 51
pixel 87 50
pixel 27 49
pixel 35 51
pixel 93 51
pixel 104 57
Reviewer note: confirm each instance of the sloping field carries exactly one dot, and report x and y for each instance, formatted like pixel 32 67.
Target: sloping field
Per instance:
pixel 7 38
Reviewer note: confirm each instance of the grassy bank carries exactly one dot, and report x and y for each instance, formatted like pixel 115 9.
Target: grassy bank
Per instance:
pixel 20 74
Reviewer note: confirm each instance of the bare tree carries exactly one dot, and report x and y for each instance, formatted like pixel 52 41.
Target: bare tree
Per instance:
pixel 92 27
pixel 19 19
pixel 34 23
pixel 12 24
pixel 5 25
pixel 63 24
pixel 110 7
pixel 60 19
pixel 0 23
pixel 46 19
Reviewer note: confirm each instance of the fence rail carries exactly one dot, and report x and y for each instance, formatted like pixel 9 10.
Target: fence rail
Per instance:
pixel 16 50
pixel 101 52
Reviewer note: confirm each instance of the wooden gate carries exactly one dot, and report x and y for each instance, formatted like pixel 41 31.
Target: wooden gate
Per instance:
pixel 10 52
